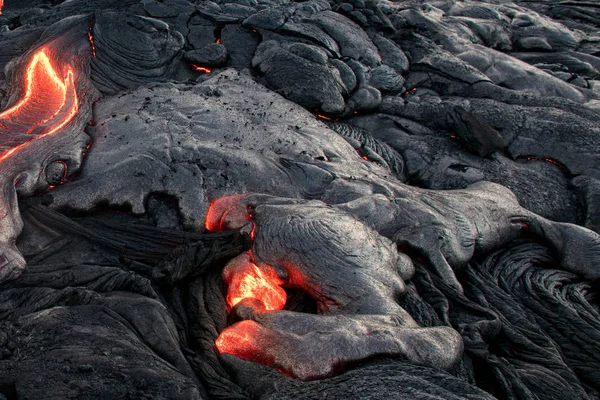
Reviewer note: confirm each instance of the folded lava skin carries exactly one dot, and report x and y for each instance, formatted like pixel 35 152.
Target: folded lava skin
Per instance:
pixel 49 104
pixel 299 199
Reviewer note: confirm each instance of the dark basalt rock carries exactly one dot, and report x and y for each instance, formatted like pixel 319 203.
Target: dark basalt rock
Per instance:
pixel 429 108
pixel 212 55
pixel 241 45
pixel 151 56
pixel 351 39
pixel 391 55
pixel 475 133
pixel 386 79
pixel 297 70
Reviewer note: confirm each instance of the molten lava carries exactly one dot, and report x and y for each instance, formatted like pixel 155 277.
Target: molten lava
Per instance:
pixel 91 38
pixel 245 281
pixel 548 160
pixel 204 70
pixel 242 340
pixel 249 281
pixel 224 210
pixel 50 102
pixel 1 5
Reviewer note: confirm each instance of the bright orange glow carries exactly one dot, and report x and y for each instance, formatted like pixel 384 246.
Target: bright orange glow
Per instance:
pixel 223 210
pixel 251 341
pixel 549 160
pixel 239 340
pixel 91 38
pixel 202 69
pixel 323 117
pixel 1 5
pixel 46 96
pixel 218 39
pixel 249 281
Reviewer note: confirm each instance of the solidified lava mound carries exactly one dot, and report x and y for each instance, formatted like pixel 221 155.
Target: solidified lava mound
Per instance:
pixel 299 199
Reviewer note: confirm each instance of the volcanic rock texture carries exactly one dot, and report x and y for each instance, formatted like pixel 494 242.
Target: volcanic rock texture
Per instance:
pixel 317 199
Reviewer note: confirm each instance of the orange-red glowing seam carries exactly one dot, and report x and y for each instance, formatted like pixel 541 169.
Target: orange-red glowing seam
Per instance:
pixel 220 209
pixel 324 117
pixel 551 161
pixel 1 5
pixel 202 69
pixel 91 39
pixel 41 79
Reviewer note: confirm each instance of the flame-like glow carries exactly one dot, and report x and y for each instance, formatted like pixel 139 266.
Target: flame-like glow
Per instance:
pixel 326 118
pixel 252 282
pixel 204 70
pixel 46 96
pixel 1 5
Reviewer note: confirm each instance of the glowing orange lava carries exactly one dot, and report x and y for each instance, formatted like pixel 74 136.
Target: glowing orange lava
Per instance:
pixel 47 95
pixel 239 340
pixel 202 69
pixel 251 341
pixel 224 209
pixel 549 160
pixel 91 38
pixel 1 5
pixel 324 117
pixel 252 282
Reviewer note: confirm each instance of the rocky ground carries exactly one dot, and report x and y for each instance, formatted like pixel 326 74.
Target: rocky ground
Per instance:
pixel 378 115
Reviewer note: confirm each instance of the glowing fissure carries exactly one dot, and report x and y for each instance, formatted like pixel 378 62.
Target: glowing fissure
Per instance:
pixel 91 38
pixel 1 5
pixel 45 98
pixel 549 160
pixel 202 69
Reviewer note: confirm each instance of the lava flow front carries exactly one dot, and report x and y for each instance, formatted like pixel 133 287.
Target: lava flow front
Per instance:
pixel 245 280
pixel 48 104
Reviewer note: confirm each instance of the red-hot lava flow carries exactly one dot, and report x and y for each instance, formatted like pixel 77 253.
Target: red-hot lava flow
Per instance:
pixel 223 209
pixel 202 69
pixel 250 281
pixel 242 340
pixel 1 5
pixel 245 280
pixel 50 97
pixel 91 37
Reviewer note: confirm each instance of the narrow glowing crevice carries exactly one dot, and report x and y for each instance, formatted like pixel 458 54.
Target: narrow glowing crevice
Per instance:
pixel 48 99
pixel 202 69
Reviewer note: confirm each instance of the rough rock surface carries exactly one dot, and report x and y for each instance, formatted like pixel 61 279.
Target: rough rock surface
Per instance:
pixel 388 120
